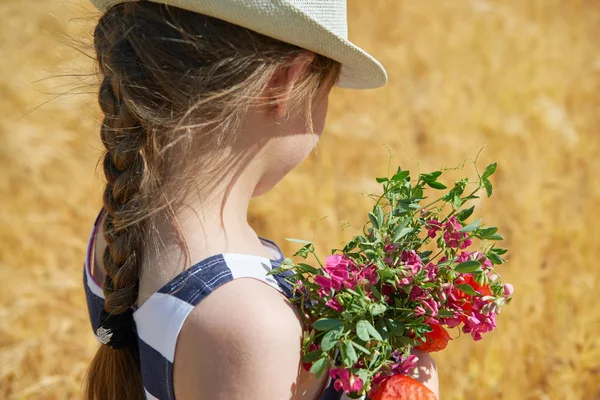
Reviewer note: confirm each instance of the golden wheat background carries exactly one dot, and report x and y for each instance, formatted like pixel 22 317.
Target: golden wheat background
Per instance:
pixel 522 76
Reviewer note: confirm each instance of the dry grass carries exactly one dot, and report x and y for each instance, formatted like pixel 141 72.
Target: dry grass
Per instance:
pixel 521 76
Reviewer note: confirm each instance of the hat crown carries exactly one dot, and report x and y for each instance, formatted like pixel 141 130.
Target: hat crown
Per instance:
pixel 332 14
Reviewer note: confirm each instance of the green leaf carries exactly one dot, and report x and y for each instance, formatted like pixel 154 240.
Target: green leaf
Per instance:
pixel 382 328
pixel 399 234
pixel 499 251
pixel 425 254
pixel 319 367
pixel 350 354
pixel 379 216
pixel 489 170
pixel 377 308
pixel 303 252
pixel 363 374
pixel 307 268
pixel 418 191
pixel 365 331
pixel 386 273
pixel 330 339
pixel 305 242
pixel 396 327
pixel 471 227
pixel 328 324
pixel 376 292
pixel 351 245
pixel 373 220
pixel 437 185
pixel 445 313
pixel 495 236
pixel 361 330
pixel 464 214
pixel 485 232
pixel 431 177
pixel 372 253
pixel 381 180
pixel 495 258
pixel 468 266
pixel 400 176
pixel 312 356
pixel 374 360
pixel 457 202
pixel 467 289
pixel 488 187
pixel 359 347
pixel 373 332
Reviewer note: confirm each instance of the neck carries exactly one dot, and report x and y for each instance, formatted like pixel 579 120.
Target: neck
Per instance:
pixel 215 219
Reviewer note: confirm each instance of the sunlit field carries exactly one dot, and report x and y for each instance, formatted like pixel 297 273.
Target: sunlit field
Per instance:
pixel 520 77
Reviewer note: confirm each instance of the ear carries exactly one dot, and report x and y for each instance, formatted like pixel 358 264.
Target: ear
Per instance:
pixel 286 79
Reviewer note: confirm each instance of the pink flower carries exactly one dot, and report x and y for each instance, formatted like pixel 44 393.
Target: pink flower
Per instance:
pixel 481 320
pixel 508 290
pixel 345 380
pixel 391 248
pixel 411 260
pixel 432 271
pixel 368 274
pixel 334 304
pixel 403 365
pixel 453 237
pixel 326 285
pixel 376 381
pixel 339 267
pixel 433 227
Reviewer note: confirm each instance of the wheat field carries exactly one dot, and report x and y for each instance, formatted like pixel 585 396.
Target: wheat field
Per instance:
pixel 520 77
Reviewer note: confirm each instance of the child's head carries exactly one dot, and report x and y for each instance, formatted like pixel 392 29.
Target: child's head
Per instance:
pixel 191 85
pixel 188 101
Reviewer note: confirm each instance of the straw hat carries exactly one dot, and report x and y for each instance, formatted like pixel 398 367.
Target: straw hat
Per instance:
pixel 317 25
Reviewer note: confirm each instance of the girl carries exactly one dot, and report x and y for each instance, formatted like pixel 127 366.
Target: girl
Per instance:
pixel 206 104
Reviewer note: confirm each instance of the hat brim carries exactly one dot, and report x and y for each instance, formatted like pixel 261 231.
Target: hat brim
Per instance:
pixel 281 20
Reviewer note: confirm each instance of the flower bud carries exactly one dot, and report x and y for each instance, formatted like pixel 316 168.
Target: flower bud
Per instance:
pixel 508 290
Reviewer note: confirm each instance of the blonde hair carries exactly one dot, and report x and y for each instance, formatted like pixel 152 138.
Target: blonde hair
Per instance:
pixel 171 79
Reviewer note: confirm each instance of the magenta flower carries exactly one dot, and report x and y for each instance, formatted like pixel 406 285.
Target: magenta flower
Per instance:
pixel 339 267
pixel 411 260
pixel 480 321
pixel 433 227
pixel 391 248
pixel 326 285
pixel 368 274
pixel 334 304
pixel 432 271
pixel 508 290
pixel 404 365
pixel 453 238
pixel 345 380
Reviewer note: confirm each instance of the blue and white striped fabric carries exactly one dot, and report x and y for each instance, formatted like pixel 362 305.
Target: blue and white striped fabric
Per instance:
pixel 160 319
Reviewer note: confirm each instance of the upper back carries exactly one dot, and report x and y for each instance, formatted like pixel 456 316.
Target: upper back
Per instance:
pixel 181 320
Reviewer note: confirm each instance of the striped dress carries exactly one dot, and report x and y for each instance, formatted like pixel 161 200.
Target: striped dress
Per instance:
pixel 160 319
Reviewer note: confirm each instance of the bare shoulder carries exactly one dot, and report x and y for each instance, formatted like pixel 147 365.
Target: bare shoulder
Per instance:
pixel 235 342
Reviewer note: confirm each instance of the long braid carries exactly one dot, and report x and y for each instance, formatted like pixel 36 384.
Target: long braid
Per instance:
pixel 124 139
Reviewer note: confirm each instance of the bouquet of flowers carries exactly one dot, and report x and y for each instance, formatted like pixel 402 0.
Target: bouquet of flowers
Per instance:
pixel 411 275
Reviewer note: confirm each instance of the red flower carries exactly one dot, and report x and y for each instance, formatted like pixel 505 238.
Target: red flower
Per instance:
pixel 468 280
pixel 402 387
pixel 436 340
